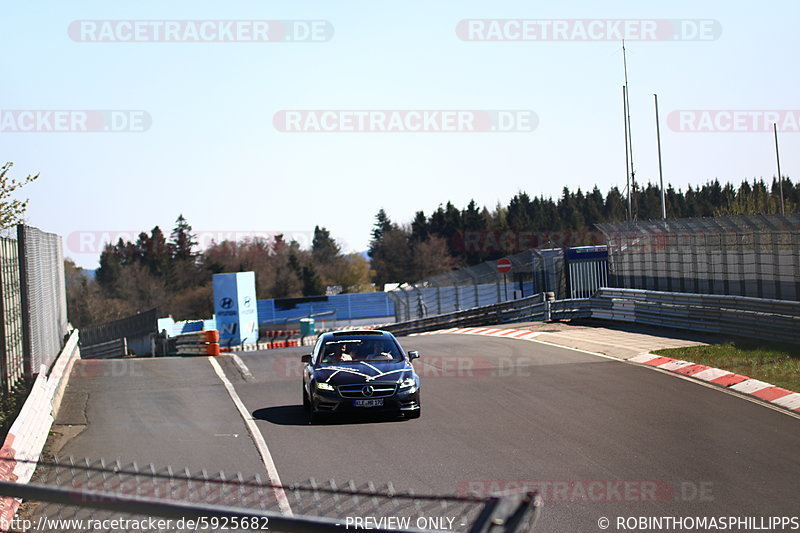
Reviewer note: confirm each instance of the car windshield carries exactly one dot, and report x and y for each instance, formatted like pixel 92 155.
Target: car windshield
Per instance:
pixel 359 349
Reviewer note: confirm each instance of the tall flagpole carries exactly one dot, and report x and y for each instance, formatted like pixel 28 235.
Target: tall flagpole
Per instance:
pixel 778 157
pixel 627 162
pixel 628 111
pixel 660 172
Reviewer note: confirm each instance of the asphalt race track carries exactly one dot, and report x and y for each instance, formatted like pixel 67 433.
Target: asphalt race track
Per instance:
pixel 496 412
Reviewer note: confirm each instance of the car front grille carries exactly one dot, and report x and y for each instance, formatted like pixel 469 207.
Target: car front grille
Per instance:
pixel 380 390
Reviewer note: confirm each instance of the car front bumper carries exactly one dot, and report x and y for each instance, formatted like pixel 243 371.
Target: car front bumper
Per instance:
pixel 402 401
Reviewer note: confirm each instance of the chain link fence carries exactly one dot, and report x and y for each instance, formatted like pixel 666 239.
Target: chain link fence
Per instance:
pixel 466 288
pixel 44 296
pixel 33 304
pixel 70 495
pixel 11 349
pixel 743 255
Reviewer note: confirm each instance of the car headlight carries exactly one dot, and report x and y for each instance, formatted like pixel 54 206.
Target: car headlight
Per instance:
pixel 406 383
pixel 324 386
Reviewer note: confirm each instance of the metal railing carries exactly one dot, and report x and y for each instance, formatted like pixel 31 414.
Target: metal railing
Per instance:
pixel 105 350
pixel 138 325
pixel 44 300
pixel 735 316
pixel 531 308
pixel 738 316
pixel 466 288
pixel 12 354
pixel 69 491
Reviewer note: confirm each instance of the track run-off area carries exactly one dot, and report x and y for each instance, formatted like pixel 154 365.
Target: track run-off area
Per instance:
pixel 597 436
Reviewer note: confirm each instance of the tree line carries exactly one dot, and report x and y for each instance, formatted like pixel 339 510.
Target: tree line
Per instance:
pixel 171 273
pixel 452 237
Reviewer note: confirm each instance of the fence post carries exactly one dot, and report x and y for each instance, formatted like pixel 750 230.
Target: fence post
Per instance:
pixel 24 291
pixel 549 297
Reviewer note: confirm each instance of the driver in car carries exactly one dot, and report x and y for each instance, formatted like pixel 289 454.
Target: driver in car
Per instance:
pixel 380 352
pixel 343 354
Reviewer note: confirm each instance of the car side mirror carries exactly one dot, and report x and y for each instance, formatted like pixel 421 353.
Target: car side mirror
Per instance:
pixel 413 354
pixel 306 358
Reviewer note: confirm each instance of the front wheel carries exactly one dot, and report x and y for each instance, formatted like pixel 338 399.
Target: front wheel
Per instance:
pixel 306 402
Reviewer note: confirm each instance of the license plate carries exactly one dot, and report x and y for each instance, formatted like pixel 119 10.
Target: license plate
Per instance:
pixel 368 403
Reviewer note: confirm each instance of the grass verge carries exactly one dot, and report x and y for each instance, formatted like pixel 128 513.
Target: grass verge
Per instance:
pixel 778 364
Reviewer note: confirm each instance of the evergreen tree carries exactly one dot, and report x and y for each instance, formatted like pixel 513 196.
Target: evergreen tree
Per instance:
pixel 182 241
pixel 323 248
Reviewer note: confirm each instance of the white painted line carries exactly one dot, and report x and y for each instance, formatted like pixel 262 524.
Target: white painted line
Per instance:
pixel 749 386
pixel 242 367
pixel 675 365
pixel 711 374
pixel 261 444
pixel 790 401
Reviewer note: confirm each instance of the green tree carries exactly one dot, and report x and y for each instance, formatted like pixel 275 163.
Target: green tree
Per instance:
pixel 182 241
pixel 383 224
pixel 419 227
pixel 323 247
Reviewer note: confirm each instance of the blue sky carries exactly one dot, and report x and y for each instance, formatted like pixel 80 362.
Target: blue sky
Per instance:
pixel 213 154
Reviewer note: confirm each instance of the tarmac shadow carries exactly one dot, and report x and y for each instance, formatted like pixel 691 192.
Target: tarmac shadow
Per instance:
pixel 295 415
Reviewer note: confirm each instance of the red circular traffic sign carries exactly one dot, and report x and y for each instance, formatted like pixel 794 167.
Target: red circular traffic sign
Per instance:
pixel 503 265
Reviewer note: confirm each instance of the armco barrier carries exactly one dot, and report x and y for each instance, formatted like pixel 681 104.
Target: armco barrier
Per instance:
pixel 28 433
pixel 198 343
pixel 740 316
pixel 105 350
pixel 737 316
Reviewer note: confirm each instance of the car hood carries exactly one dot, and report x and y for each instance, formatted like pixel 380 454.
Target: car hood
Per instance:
pixel 364 372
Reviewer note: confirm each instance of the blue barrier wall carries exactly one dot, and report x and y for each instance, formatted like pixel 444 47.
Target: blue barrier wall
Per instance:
pixel 347 307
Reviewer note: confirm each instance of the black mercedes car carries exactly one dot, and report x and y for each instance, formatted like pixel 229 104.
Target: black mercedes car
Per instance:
pixel 360 371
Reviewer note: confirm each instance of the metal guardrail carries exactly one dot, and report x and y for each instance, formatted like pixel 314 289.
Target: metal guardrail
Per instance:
pixel 737 316
pixel 105 350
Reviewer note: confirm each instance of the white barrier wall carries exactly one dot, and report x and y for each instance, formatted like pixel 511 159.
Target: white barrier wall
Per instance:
pixel 26 438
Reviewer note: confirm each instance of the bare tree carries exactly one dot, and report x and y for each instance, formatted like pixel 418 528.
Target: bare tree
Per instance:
pixel 11 209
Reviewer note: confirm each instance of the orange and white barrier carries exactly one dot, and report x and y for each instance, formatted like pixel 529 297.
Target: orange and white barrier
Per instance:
pixel 198 343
